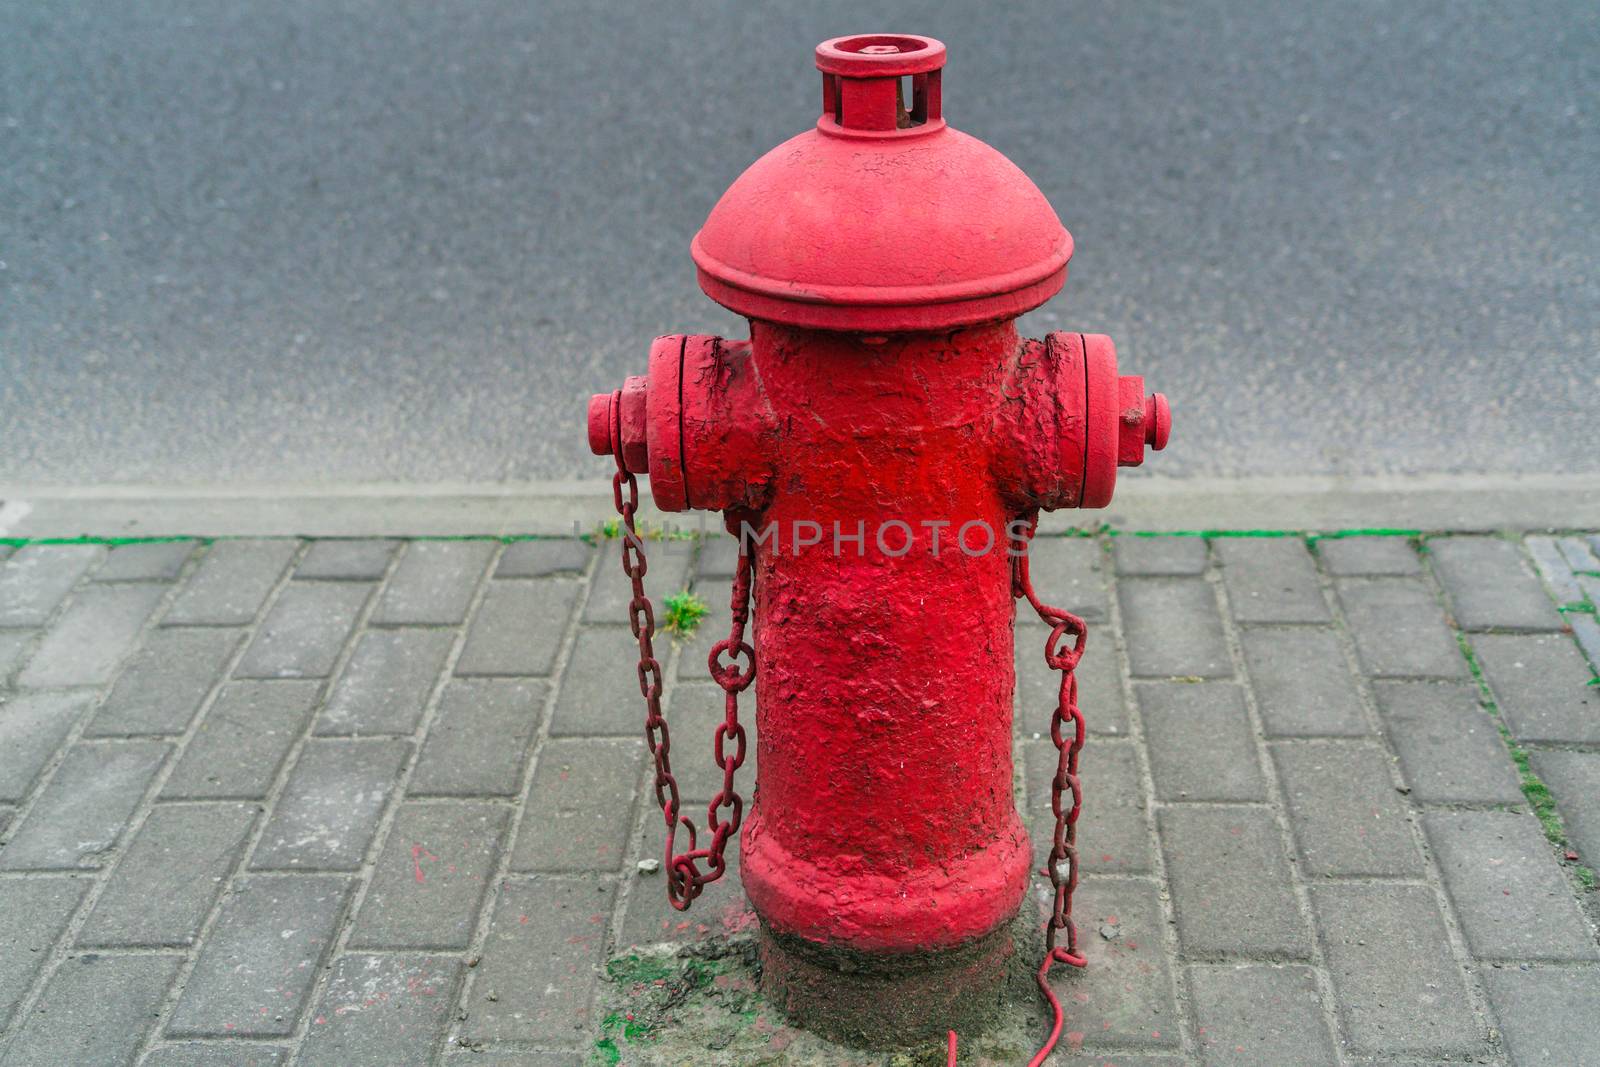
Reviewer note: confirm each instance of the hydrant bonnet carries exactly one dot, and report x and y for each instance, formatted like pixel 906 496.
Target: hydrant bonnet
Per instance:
pixel 882 218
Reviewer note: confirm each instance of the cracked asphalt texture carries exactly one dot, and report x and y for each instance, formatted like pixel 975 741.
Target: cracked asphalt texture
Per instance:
pixel 401 241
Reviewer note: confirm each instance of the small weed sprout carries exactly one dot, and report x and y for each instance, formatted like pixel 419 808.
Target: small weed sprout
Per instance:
pixel 684 612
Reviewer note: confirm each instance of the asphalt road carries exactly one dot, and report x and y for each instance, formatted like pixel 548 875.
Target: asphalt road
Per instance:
pixel 403 241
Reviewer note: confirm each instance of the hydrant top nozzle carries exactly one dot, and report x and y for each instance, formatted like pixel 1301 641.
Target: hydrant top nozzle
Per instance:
pixel 880 55
pixel 882 219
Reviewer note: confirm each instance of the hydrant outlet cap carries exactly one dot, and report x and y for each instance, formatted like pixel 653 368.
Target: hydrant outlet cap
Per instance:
pixel 600 424
pixel 1158 421
pixel 882 218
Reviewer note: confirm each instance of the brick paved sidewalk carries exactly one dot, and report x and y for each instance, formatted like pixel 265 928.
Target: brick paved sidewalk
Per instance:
pixel 379 802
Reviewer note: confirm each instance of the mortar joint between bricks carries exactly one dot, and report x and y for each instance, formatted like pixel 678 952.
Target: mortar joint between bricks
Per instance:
pixel 100 878
pixel 452 1036
pixel 1275 802
pixel 355 895
pixel 1179 985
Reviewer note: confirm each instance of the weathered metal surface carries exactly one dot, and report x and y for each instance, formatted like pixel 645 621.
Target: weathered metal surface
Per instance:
pixel 888 437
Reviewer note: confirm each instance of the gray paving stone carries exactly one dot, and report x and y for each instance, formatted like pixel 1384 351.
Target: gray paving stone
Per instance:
pixel 33 913
pixel 1553 567
pixel 434 582
pixel 1160 557
pixel 1124 997
pixel 173 870
pixel 1231 883
pixel 1172 628
pixel 430 878
pixel 518 628
pixel 1586 630
pixel 241 742
pixel 1574 778
pixel 95 1010
pixel 1345 813
pixel 1399 629
pixel 1270 579
pixel 305 631
pixel 377 1011
pixel 164 685
pixel 610 592
pixel 478 744
pixel 216 1053
pixel 231 582
pixel 545 557
pixel 486 1056
pixel 1547 1014
pixel 1510 897
pixel 1541 685
pixel 330 808
pixel 693 714
pixel 540 963
pixel 1069 572
pixel 1391 555
pixel 1112 837
pixel 1395 1002
pixel 695 651
pixel 1581 553
pixel 386 685
pixel 32 726
pixel 1302 683
pixel 1199 741
pixel 719 556
pixel 85 807
pixel 1491 585
pixel 149 561
pixel 257 965
pixel 1449 748
pixel 36 578
pixel 341 560
pixel 12 645
pixel 1038 686
pixel 1259 1015
pixel 599 688
pixel 91 637
pixel 576 807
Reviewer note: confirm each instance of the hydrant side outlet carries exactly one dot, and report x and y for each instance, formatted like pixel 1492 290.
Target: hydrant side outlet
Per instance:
pixel 884 432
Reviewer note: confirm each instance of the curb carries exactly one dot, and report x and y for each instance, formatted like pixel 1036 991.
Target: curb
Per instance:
pixel 553 509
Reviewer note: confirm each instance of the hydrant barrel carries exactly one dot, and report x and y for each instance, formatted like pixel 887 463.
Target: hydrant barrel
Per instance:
pixel 883 438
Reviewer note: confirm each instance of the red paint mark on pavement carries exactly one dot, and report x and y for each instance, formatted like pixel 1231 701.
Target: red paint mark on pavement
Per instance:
pixel 417 852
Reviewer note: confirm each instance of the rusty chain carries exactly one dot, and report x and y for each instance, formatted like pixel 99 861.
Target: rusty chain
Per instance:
pixel 685 878
pixel 1063 843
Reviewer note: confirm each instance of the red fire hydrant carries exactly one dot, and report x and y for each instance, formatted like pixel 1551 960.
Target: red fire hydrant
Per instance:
pixel 887 440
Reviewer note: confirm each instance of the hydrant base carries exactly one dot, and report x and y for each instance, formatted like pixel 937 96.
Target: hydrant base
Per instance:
pixel 888 1001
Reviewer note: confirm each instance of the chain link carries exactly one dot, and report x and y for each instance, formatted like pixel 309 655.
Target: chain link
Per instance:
pixel 1063 863
pixel 685 877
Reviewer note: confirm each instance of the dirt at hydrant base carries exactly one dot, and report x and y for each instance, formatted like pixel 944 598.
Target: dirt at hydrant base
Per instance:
pixel 671 1005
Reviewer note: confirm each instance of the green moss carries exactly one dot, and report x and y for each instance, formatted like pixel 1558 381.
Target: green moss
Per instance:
pixel 641 970
pixel 1537 793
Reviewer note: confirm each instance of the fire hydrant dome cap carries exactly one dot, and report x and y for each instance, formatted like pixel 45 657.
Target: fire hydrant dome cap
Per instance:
pixel 886 222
